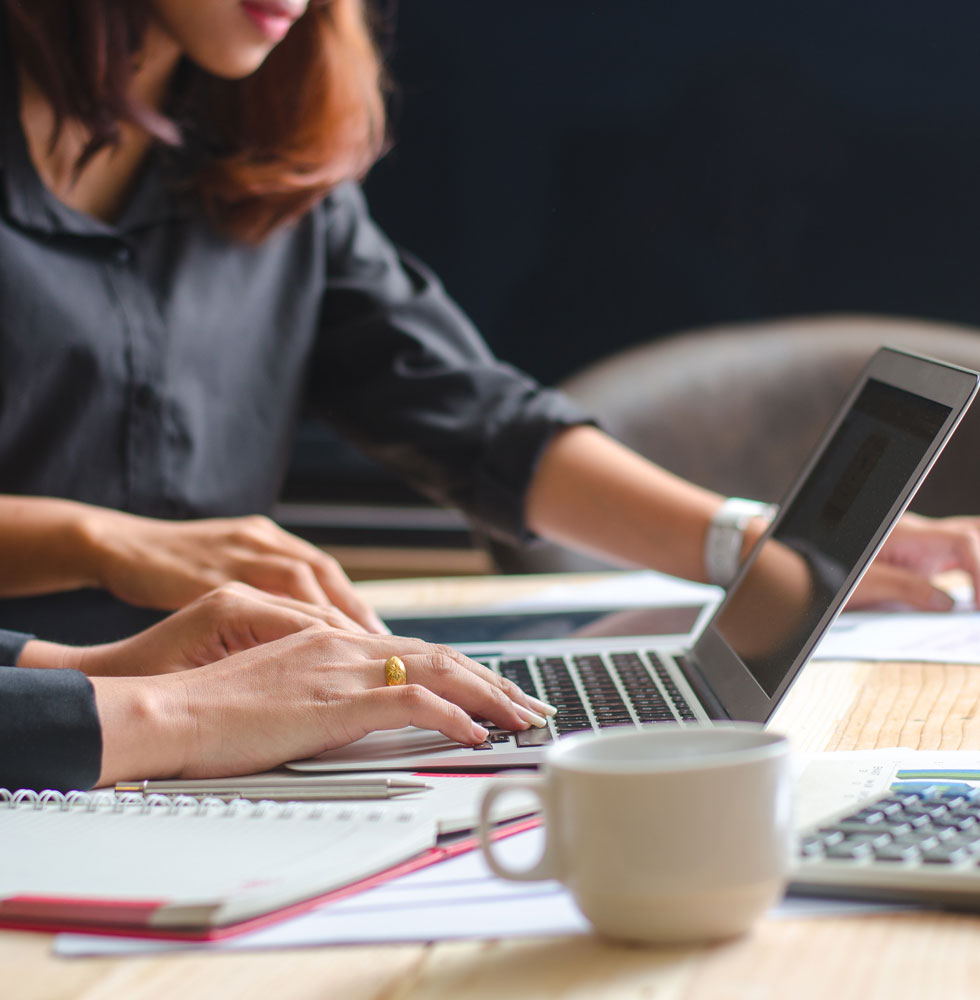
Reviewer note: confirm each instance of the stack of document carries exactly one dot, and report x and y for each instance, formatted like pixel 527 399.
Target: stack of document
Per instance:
pixel 201 868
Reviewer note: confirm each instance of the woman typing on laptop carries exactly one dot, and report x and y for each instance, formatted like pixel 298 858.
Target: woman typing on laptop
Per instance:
pixel 185 249
pixel 237 682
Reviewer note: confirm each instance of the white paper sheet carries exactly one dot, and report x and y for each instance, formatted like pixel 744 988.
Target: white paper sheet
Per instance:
pixel 832 782
pixel 456 899
pixel 645 587
pixel 915 636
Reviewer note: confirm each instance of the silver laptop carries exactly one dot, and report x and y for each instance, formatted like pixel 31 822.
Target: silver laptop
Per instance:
pixel 744 658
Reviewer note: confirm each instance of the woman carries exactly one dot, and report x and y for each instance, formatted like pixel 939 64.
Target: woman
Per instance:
pixel 184 249
pixel 237 682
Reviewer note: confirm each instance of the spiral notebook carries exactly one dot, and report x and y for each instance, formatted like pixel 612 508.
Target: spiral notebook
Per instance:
pixel 188 868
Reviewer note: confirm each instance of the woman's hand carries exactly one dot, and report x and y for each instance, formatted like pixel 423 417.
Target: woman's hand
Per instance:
pixel 167 564
pixel 307 692
pixel 916 550
pixel 222 622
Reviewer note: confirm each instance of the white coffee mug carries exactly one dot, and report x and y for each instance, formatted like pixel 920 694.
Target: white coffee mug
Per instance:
pixel 664 834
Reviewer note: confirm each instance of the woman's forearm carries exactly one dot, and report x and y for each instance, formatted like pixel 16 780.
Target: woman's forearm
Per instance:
pixel 595 494
pixel 46 545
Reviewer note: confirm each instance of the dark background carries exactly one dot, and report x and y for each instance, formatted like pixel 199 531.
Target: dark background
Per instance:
pixel 586 176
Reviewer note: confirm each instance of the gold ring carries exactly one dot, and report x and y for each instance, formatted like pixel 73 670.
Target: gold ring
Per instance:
pixel 395 671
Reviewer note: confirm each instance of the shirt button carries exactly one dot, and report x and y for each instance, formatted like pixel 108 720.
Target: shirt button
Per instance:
pixel 143 395
pixel 122 255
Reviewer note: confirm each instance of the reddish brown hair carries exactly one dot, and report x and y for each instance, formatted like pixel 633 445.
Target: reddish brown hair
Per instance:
pixel 310 117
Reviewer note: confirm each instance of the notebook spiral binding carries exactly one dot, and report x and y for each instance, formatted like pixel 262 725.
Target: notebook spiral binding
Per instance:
pixel 170 805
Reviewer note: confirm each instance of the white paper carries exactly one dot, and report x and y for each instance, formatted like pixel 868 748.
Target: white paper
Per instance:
pixel 455 899
pixel 953 637
pixel 458 898
pixel 644 588
pixel 834 781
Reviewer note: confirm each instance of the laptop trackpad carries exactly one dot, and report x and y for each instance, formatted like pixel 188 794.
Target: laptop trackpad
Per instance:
pixel 379 747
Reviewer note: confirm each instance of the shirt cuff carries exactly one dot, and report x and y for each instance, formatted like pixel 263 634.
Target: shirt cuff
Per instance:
pixel 497 505
pixel 11 646
pixel 50 734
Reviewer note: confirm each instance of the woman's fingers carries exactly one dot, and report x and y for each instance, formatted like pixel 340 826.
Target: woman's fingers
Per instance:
pixel 323 576
pixel 406 646
pixel 447 678
pixel 967 549
pixel 327 614
pixel 244 617
pixel 338 588
pixel 415 705
pixel 514 692
pixel 304 582
pixel 284 575
pixel 885 583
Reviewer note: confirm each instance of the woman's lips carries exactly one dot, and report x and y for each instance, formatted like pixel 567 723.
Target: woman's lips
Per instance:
pixel 273 20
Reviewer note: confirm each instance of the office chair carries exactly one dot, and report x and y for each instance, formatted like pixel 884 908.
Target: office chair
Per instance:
pixel 738 408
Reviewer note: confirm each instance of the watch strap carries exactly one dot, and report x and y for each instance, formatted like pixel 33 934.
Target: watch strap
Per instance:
pixel 726 534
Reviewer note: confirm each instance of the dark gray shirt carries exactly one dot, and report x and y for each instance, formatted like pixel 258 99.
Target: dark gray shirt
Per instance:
pixel 49 730
pixel 155 366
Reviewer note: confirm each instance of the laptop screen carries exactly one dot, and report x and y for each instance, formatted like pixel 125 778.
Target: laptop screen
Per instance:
pixel 823 533
pixel 846 499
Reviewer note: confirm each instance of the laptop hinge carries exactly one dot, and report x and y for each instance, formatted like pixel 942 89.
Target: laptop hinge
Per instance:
pixel 701 688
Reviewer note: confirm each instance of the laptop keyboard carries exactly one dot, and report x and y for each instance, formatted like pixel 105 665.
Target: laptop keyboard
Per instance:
pixel 906 845
pixel 595 690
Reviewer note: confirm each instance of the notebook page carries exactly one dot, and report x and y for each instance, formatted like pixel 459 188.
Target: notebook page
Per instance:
pixel 246 856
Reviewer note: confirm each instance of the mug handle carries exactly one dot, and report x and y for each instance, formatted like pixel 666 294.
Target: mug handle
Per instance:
pixel 547 865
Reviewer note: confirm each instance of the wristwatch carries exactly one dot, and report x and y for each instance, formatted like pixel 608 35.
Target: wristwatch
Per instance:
pixel 726 533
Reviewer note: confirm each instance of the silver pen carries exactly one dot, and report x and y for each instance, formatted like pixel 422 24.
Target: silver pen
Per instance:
pixel 274 790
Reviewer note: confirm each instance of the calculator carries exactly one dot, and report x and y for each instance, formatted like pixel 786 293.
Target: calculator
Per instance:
pixel 919 846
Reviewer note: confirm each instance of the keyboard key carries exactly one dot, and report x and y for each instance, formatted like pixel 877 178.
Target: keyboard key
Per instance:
pixel 968 841
pixel 846 851
pixel 811 846
pixel 945 856
pixel 917 821
pixel 889 806
pixel 860 829
pixel 875 840
pixel 866 816
pixel 897 852
pixel 964 821
pixel 533 737
pixel 830 837
pixel 924 840
pixel 953 800
pixel 934 810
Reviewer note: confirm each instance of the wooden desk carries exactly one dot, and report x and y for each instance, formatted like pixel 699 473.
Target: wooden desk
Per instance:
pixel 891 957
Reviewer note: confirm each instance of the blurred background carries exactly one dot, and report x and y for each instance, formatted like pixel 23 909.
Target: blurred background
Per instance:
pixel 589 176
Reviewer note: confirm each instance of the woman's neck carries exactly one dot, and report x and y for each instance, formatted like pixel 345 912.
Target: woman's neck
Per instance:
pixel 154 67
pixel 103 186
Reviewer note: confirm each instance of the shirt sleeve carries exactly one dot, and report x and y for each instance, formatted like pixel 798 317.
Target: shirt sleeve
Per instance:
pixel 402 372
pixel 50 736
pixel 11 645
